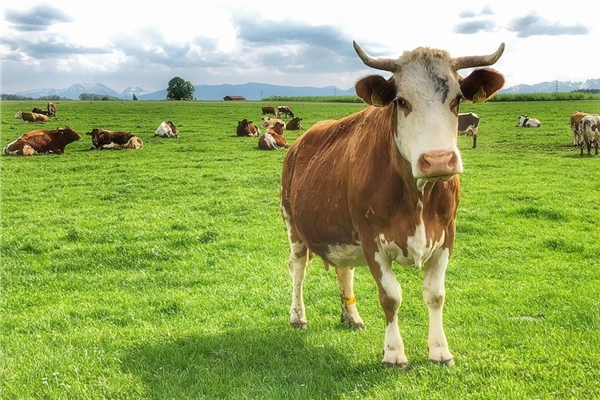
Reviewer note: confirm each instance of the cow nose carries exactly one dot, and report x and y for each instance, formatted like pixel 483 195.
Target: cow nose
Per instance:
pixel 439 163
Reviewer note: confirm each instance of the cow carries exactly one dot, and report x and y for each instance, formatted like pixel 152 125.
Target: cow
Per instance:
pixel 382 185
pixel 270 122
pixel 50 110
pixel 247 128
pixel 285 110
pixel 31 117
pixel 273 138
pixel 526 122
pixel 468 124
pixel 589 133
pixel 294 124
pixel 42 142
pixel 104 139
pixel 167 130
pixel 268 110
pixel 576 118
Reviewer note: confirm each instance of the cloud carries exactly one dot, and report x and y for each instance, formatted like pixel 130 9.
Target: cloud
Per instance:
pixel 469 27
pixel 36 19
pixel 535 25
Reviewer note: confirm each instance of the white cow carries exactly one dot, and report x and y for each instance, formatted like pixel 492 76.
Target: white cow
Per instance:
pixel 167 130
pixel 525 121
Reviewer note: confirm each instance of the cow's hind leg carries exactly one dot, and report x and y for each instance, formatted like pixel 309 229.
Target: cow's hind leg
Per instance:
pixel 434 294
pixel 350 317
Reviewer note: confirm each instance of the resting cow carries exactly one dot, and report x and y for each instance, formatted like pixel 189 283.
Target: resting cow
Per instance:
pixel 589 133
pixel 526 122
pixel 247 128
pixel 468 124
pixel 31 117
pixel 49 111
pixel 103 139
pixel 294 124
pixel 167 130
pixel 273 138
pixel 270 122
pixel 382 185
pixel 42 142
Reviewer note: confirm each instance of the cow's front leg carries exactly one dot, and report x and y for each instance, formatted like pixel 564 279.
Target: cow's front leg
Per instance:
pixel 434 294
pixel 390 298
pixel 350 315
pixel 297 265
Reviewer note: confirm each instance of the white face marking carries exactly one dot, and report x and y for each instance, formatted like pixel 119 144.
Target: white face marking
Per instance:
pixel 430 125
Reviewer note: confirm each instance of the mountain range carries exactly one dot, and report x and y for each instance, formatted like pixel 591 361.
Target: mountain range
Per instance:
pixel 258 91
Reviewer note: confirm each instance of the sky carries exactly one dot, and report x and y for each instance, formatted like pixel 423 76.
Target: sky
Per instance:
pixel 126 43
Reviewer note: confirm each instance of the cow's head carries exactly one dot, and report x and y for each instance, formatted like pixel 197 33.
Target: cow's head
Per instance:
pixel 70 134
pixel 426 90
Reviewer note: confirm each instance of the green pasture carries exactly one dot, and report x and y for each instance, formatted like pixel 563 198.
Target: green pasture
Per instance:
pixel 162 273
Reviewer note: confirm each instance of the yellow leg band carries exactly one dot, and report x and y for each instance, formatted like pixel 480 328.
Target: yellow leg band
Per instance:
pixel 349 301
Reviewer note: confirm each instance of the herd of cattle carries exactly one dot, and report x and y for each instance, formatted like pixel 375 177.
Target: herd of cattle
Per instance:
pixel 273 138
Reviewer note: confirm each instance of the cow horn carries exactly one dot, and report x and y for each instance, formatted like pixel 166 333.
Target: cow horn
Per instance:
pixel 384 64
pixel 477 61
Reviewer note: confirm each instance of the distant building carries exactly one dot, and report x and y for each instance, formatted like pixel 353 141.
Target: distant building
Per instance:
pixel 234 98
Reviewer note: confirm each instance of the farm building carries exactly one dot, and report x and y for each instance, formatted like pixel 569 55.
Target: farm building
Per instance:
pixel 234 98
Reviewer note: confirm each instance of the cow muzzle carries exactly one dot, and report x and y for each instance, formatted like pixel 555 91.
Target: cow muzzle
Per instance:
pixel 439 165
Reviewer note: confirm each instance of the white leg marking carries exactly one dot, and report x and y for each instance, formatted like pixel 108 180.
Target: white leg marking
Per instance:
pixel 391 298
pixel 434 294
pixel 297 266
pixel 350 316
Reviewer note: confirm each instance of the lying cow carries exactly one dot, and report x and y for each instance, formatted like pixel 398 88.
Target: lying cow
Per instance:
pixel 49 111
pixel 103 139
pixel 526 122
pixel 247 128
pixel 268 110
pixel 589 133
pixel 285 110
pixel 270 122
pixel 31 117
pixel 167 130
pixel 467 125
pixel 273 138
pixel 42 142
pixel 294 124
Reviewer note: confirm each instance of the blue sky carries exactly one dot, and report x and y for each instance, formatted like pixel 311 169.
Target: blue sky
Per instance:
pixel 298 43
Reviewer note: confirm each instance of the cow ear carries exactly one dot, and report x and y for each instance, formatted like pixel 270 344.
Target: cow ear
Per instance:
pixel 481 85
pixel 376 90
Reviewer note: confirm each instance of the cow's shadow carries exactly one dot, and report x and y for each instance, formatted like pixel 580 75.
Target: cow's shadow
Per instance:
pixel 252 363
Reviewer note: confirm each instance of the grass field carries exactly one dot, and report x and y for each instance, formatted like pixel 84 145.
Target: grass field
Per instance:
pixel 162 273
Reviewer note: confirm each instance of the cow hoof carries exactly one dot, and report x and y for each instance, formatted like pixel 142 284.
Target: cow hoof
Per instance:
pixel 395 358
pixel 441 356
pixel 446 363
pixel 352 323
pixel 404 366
pixel 302 325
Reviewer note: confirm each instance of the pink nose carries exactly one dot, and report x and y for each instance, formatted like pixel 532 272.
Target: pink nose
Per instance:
pixel 438 163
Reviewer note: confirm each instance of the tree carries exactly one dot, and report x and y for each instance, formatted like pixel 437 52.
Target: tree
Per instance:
pixel 134 97
pixel 180 90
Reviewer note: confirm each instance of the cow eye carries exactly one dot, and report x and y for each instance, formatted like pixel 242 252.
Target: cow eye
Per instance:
pixel 403 104
pixel 455 104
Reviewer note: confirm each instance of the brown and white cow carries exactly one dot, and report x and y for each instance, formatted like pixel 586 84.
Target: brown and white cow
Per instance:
pixel 104 139
pixel 285 110
pixel 294 124
pixel 468 123
pixel 382 185
pixel 42 142
pixel 526 122
pixel 270 122
pixel 273 138
pixel 31 117
pixel 49 111
pixel 589 133
pixel 167 130
pixel 575 119
pixel 247 128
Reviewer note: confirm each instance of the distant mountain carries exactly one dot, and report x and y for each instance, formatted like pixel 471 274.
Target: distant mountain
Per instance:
pixel 258 91
pixel 553 86
pixel 253 91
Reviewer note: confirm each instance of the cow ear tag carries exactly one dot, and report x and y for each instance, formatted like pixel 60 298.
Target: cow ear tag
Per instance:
pixel 480 96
